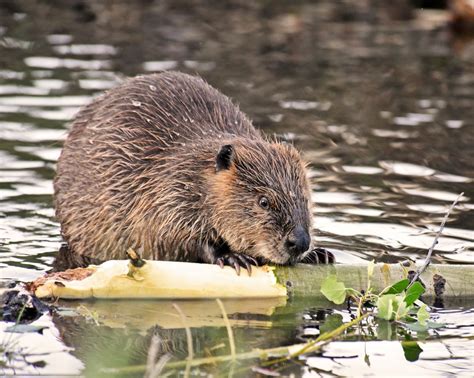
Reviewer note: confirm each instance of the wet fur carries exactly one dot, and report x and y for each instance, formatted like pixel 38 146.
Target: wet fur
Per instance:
pixel 138 169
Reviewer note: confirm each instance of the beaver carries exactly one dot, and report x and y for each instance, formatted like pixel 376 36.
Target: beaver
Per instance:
pixel 167 165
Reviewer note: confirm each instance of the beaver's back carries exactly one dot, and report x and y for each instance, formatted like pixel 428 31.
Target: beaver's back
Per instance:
pixel 163 108
pixel 99 170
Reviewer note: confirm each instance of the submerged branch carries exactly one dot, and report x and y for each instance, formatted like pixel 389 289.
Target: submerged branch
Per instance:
pixel 283 353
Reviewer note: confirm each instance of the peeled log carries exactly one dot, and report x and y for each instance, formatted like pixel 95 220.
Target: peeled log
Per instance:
pixel 178 280
pixel 163 280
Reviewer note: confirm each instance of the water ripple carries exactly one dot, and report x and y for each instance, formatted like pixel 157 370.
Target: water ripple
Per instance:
pixel 54 63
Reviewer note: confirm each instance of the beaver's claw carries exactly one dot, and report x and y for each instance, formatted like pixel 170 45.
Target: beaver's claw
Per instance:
pixel 236 260
pixel 319 256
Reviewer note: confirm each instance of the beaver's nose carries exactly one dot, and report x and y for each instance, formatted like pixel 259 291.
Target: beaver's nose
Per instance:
pixel 298 241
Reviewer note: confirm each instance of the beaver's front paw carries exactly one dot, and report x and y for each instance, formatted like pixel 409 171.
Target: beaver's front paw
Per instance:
pixel 236 260
pixel 318 256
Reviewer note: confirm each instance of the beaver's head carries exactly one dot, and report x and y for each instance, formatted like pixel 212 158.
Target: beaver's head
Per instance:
pixel 262 200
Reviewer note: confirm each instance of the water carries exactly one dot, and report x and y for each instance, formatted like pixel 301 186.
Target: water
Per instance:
pixel 380 104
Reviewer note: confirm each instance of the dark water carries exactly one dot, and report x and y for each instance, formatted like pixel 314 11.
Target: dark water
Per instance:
pixel 379 99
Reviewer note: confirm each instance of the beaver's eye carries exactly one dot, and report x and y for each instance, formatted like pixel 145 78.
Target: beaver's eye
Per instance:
pixel 264 203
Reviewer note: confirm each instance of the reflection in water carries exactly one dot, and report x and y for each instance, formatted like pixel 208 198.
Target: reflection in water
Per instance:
pixel 382 110
pixel 147 314
pixel 103 326
pixel 115 334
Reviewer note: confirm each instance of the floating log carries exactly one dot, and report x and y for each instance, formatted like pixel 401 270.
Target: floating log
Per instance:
pixel 179 280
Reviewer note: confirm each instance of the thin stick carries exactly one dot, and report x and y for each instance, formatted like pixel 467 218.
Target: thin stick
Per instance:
pixel 189 336
pixel 189 339
pixel 314 345
pixel 230 333
pixel 427 261
pixel 153 351
pixel 159 366
pixel 254 354
pixel 153 369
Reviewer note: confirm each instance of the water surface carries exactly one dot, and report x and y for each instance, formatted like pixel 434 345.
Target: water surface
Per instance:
pixel 380 104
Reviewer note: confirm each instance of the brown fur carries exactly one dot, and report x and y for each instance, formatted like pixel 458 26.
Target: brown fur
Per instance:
pixel 138 169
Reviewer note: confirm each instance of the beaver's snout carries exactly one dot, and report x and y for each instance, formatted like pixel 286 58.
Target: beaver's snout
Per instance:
pixel 298 241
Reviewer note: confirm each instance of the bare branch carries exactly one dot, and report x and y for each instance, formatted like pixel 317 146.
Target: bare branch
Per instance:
pixel 435 241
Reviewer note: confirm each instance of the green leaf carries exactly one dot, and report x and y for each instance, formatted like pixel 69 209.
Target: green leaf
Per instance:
pixel 385 306
pixel 413 293
pixel 332 322
pixel 397 287
pixel 410 318
pixel 434 325
pixel 417 327
pixel 384 330
pixel 423 315
pixel 412 350
pixel 392 307
pixel 402 308
pixel 334 290
pixel 367 359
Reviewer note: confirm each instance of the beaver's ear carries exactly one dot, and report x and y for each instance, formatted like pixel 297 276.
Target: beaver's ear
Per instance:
pixel 224 157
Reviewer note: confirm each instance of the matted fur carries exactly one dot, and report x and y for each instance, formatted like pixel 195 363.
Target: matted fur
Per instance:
pixel 138 169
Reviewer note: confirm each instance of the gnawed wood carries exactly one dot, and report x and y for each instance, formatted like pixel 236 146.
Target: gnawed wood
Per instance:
pixel 164 279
